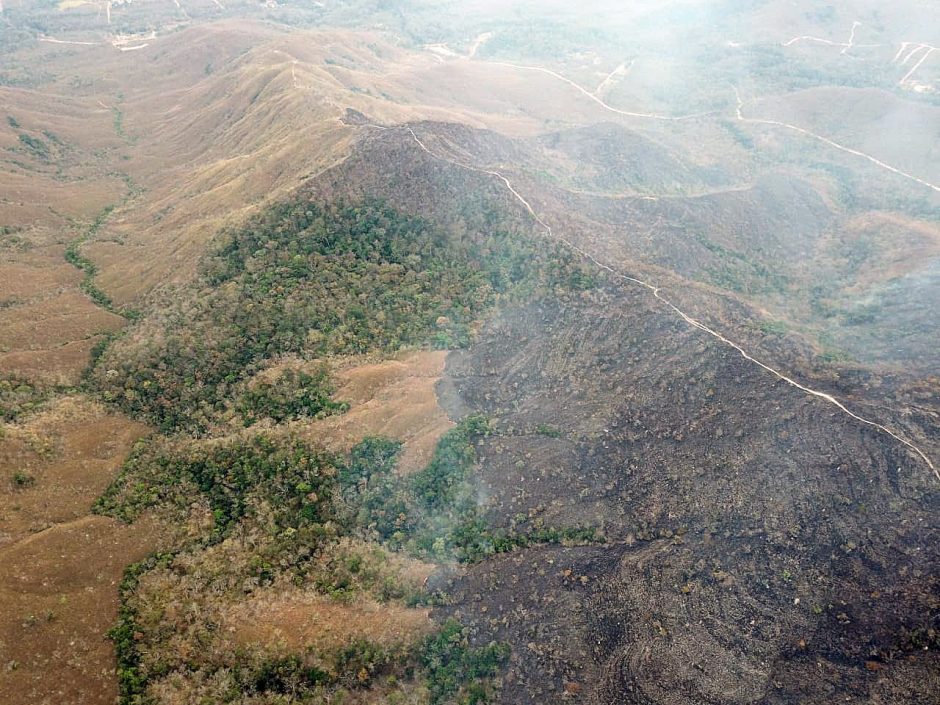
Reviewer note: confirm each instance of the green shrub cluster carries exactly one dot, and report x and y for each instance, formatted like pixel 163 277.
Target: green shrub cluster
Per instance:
pixel 35 145
pixel 292 478
pixel 736 272
pixel 432 513
pixel 74 257
pixel 291 395
pixel 344 573
pixel 22 480
pixel 454 667
pixel 19 397
pixel 290 502
pixel 233 478
pixel 374 500
pixel 125 635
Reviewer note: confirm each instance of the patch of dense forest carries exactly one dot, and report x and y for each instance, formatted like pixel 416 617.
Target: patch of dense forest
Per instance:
pixel 433 514
pixel 315 281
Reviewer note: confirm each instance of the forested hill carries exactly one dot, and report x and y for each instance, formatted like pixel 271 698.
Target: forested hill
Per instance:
pixel 315 280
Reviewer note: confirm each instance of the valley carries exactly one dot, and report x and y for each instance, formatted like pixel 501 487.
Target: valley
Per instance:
pixel 434 352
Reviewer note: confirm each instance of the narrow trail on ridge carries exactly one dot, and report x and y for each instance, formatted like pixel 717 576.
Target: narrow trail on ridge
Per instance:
pixel 599 101
pixel 845 45
pixel 777 123
pixel 655 291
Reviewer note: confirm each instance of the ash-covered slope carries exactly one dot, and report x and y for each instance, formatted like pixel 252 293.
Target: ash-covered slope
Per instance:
pixel 762 546
pixel 610 157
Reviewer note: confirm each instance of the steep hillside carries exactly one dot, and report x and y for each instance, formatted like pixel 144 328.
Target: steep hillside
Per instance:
pixel 749 529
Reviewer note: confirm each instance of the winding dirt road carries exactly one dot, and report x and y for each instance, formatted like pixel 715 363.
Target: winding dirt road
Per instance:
pixel 831 143
pixel 596 99
pixel 740 117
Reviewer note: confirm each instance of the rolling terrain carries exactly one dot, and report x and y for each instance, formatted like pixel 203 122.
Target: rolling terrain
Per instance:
pixel 437 352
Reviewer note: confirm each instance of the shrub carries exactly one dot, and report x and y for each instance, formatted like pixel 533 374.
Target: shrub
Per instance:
pixel 35 145
pixel 549 431
pixel 452 664
pixel 289 475
pixel 22 479
pixel 291 395
pixel 19 397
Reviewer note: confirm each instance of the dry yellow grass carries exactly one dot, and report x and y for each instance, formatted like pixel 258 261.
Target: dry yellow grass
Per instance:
pixel 69 316
pixel 72 450
pixel 394 398
pixel 904 246
pixel 296 620
pixel 61 567
pixel 59 364
pixel 47 324
pixel 20 281
pixel 58 598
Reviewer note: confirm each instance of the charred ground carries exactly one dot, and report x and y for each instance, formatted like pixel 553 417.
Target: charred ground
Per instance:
pixel 750 530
